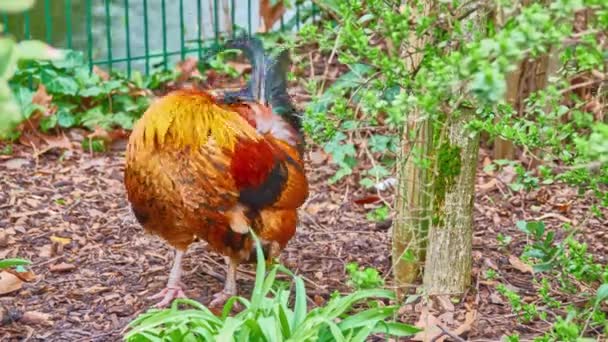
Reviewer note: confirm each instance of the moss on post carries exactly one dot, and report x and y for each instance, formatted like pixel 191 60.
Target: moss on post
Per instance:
pixel 448 261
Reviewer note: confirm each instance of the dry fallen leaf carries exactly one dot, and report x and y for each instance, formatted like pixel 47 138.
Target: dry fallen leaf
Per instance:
pixel 318 157
pixel 62 267
pixel 101 73
pixel 520 265
pixel 240 68
pixel 15 163
pixel 270 14
pixel 428 322
pixel 9 282
pixel 41 97
pixel 487 186
pixel 60 240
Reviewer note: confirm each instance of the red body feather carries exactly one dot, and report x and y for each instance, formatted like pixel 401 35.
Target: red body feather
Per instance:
pixel 251 163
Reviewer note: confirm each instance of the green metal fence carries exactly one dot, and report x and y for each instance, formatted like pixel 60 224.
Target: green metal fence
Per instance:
pixel 143 35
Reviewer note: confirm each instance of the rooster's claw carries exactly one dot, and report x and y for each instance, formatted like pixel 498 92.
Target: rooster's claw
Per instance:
pixel 168 294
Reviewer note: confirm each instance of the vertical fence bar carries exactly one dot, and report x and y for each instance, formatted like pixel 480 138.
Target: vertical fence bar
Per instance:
pixel 282 23
pixel 232 18
pixel 128 34
pixel 199 31
pixel 109 34
pixel 182 38
pixel 146 38
pixel 26 26
pixel 89 20
pixel 68 22
pixel 297 15
pixel 216 21
pixel 314 12
pixel 249 17
pixel 164 14
pixel 48 22
pixel 5 22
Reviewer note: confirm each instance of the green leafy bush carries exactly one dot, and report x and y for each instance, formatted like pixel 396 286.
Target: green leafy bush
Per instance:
pixel 79 97
pixel 12 52
pixel 575 272
pixel 270 316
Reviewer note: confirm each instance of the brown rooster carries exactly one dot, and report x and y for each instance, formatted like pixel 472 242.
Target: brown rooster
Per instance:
pixel 215 169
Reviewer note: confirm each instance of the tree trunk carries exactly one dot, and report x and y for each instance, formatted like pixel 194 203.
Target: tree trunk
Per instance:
pixel 448 259
pixel 410 227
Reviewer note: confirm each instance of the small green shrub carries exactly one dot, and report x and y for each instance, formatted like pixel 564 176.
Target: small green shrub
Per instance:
pixel 368 278
pixel 270 316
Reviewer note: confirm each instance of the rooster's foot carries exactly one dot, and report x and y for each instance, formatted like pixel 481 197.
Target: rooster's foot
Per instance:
pixel 168 294
pixel 220 299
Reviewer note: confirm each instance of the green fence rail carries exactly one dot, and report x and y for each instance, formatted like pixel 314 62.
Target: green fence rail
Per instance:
pixel 144 35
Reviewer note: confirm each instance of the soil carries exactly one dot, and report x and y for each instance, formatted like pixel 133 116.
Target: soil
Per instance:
pixel 93 266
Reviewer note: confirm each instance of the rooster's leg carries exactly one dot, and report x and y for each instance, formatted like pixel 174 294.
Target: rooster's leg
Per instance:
pixel 174 285
pixel 219 299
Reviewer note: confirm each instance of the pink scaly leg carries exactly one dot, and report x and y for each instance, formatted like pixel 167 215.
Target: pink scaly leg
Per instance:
pixel 174 285
pixel 219 299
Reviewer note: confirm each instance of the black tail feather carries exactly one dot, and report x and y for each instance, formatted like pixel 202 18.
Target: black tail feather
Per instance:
pixel 268 83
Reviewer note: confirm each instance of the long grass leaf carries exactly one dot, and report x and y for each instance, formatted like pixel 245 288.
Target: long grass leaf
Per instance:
pixel 257 294
pixel 300 307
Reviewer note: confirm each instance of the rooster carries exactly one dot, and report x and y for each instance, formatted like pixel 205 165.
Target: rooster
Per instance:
pixel 218 168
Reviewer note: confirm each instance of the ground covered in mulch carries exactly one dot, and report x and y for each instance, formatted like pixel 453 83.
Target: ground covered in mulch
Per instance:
pixel 93 266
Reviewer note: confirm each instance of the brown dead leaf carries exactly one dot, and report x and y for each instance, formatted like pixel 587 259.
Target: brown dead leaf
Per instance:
pixel 240 68
pixel 62 267
pixel 491 184
pixel 507 174
pixel 487 161
pixel 35 317
pixel 270 14
pixel 445 303
pixel 318 157
pixel 187 69
pixel 26 276
pixel 428 322
pixel 564 207
pixel 15 163
pixel 314 208
pixel 520 265
pixel 100 133
pixel 9 282
pixel 469 319
pixel 60 240
pixel 42 98
pixel 55 142
pixel 3 239
pixel 101 73
pixel 44 251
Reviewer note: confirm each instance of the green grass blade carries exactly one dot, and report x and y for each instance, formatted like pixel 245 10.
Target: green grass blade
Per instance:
pixel 257 294
pixel 231 325
pixel 363 334
pixel 300 307
pixel 396 329
pixel 366 317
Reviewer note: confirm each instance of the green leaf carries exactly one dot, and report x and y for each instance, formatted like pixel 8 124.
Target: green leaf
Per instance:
pixel 65 118
pixel 396 329
pixel 6 263
pixel 47 123
pixel 15 6
pixel 8 58
pixel 35 49
pixel 602 293
pixel 56 84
